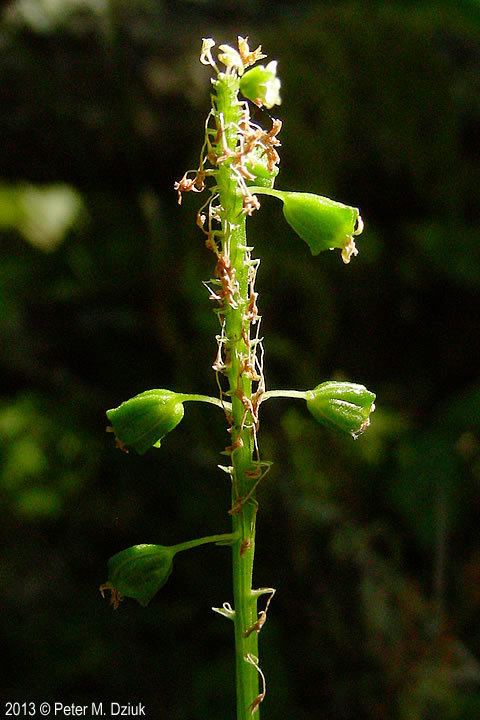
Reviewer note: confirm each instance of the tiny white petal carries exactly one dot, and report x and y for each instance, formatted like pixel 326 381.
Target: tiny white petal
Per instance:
pixel 349 249
pixel 272 93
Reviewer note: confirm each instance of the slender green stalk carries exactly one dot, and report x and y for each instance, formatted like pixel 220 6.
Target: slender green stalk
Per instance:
pixel 207 399
pixel 237 334
pixel 300 394
pixel 224 539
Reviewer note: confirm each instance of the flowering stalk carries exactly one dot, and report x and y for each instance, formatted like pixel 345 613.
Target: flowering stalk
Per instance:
pixel 236 360
pixel 238 161
pixel 231 140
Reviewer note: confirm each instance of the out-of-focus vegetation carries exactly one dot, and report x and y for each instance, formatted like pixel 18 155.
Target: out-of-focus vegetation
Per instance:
pixel 374 545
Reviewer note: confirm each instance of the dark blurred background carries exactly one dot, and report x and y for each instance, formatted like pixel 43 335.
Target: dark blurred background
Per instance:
pixel 373 545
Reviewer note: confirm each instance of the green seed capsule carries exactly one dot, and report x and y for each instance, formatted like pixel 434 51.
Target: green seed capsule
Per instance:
pixel 261 85
pixel 144 420
pixel 324 224
pixel 139 572
pixel 342 405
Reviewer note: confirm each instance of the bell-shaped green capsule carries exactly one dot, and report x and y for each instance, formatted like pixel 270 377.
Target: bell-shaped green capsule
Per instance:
pixel 261 85
pixel 342 405
pixel 138 572
pixel 324 224
pixel 141 422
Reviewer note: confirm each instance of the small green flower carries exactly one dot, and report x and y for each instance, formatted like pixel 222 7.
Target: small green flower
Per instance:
pixel 342 405
pixel 144 420
pixel 261 85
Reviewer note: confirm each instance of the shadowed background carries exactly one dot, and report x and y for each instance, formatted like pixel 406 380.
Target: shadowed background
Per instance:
pixel 373 545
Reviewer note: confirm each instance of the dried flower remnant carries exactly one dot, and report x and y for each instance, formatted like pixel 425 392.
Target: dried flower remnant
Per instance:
pixel 115 596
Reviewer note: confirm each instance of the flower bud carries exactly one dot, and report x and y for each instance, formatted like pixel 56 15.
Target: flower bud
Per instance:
pixel 342 405
pixel 257 166
pixel 231 58
pixel 139 572
pixel 323 223
pixel 261 85
pixel 143 421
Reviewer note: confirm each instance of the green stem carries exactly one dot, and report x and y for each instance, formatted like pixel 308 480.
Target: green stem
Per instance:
pixel 237 333
pixel 225 539
pixel 280 194
pixel 207 399
pixel 301 394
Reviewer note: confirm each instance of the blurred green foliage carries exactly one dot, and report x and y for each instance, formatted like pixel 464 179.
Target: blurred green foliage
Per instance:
pixel 373 545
